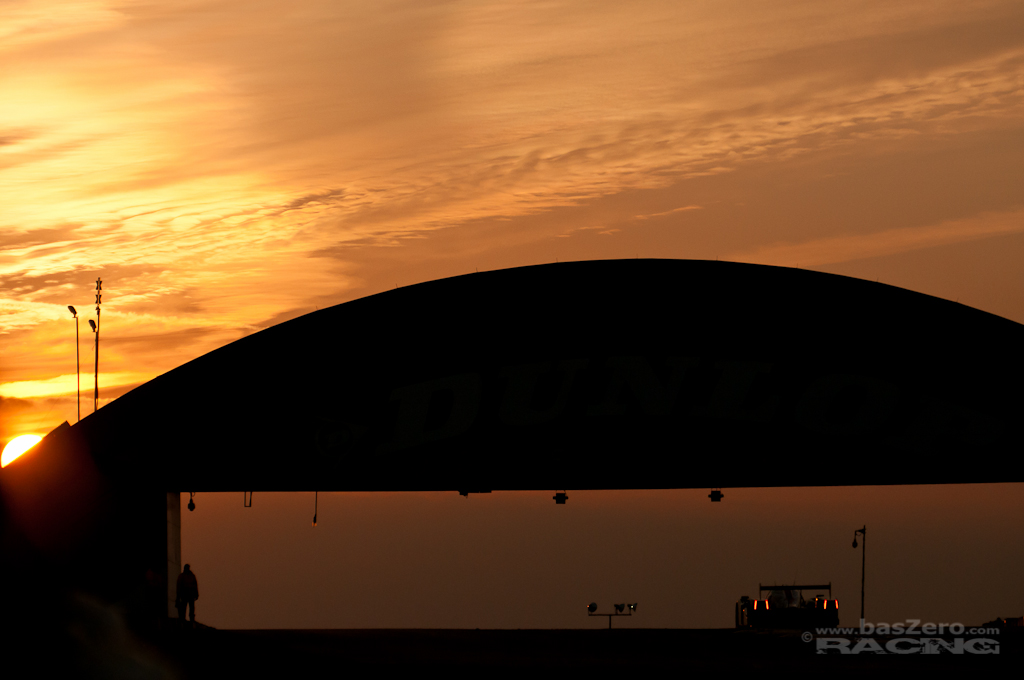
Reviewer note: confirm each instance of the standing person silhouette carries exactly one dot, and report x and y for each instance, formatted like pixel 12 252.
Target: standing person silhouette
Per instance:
pixel 186 594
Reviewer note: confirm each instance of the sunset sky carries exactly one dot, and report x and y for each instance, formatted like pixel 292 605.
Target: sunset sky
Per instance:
pixel 225 166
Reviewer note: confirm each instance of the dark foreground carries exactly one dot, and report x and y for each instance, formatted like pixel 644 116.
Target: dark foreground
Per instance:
pixel 209 653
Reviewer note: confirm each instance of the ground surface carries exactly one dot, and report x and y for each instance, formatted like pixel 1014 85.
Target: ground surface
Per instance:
pixel 208 653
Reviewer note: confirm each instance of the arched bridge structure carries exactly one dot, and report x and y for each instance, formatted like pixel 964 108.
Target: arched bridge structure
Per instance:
pixel 588 375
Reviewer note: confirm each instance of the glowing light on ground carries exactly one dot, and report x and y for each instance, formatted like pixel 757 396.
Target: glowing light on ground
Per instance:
pixel 18 446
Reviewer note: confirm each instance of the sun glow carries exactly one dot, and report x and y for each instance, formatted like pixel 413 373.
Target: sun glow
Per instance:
pixel 18 446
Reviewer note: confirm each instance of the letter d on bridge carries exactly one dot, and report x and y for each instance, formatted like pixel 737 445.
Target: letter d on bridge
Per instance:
pixel 455 400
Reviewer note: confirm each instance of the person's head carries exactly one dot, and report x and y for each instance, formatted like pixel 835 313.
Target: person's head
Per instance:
pixel 188 568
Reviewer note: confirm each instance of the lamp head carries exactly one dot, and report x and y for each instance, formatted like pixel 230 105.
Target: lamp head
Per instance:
pixel 592 607
pixel 92 325
pixel 73 312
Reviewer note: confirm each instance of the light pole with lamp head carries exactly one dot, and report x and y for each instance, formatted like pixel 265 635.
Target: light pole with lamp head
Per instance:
pixel 96 379
pixel 78 364
pixel 863 531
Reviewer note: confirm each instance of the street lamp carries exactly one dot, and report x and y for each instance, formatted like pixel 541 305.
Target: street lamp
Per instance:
pixel 96 328
pixel 78 364
pixel 96 379
pixel 863 531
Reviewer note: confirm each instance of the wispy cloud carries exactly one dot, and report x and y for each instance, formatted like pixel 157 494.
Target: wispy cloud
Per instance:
pixel 859 246
pixel 668 212
pixel 67 384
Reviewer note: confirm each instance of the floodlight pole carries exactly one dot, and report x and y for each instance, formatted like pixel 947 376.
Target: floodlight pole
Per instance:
pixel 78 365
pixel 96 361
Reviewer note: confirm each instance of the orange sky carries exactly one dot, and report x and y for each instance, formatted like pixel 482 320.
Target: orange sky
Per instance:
pixel 225 166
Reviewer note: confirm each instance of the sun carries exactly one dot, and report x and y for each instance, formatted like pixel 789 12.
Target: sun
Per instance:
pixel 18 446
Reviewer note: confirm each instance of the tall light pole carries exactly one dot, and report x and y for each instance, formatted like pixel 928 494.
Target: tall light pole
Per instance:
pixel 96 361
pixel 78 364
pixel 95 396
pixel 863 550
